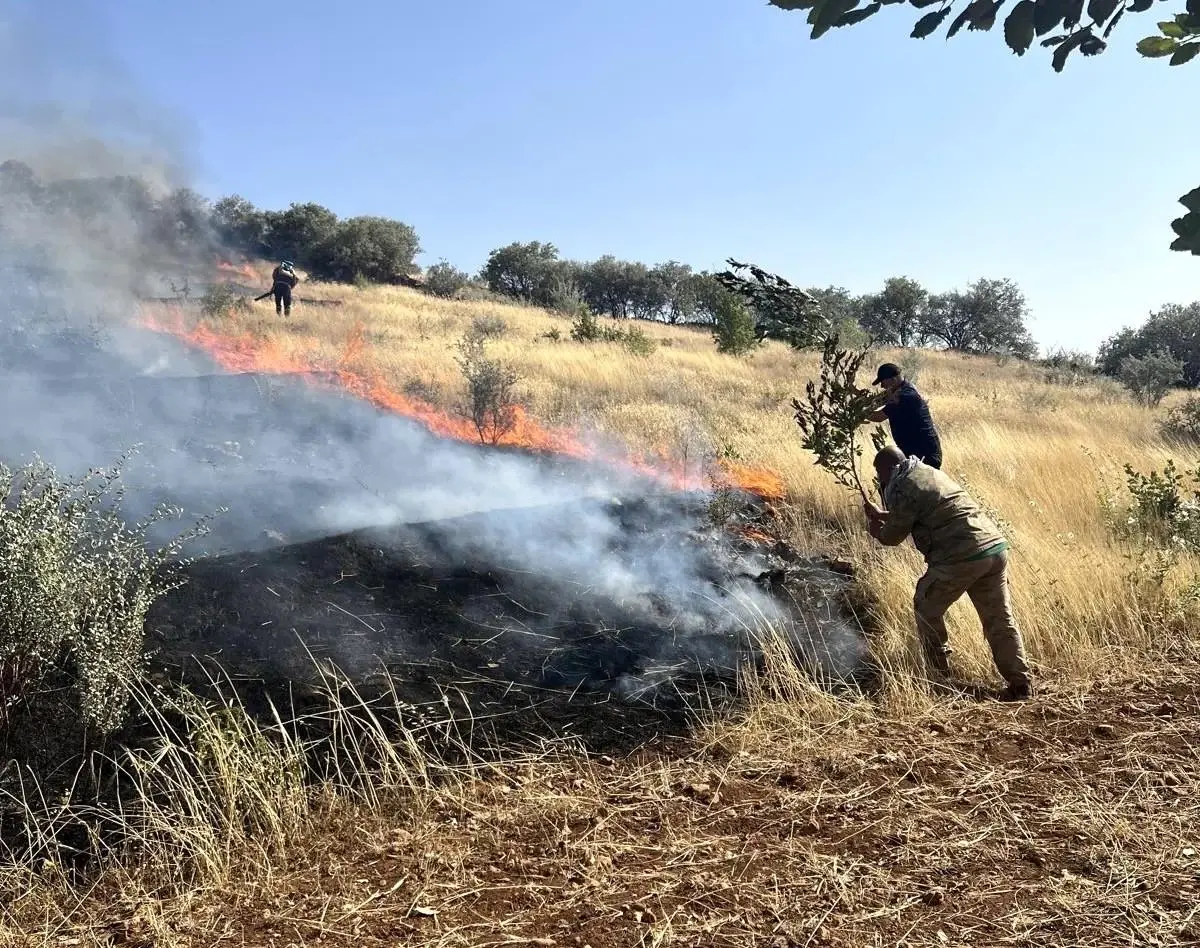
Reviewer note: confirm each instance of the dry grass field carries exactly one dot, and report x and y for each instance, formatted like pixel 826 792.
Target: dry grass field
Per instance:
pixel 906 819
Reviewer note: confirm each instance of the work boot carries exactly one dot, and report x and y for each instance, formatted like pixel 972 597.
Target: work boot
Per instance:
pixel 1016 691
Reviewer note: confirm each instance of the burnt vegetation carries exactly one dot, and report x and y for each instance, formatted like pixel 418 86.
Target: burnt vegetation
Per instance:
pixel 138 625
pixel 395 631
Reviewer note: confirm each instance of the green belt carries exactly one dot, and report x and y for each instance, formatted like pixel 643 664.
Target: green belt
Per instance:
pixel 994 550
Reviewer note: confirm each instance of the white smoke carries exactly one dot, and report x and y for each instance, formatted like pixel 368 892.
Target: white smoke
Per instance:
pixel 78 246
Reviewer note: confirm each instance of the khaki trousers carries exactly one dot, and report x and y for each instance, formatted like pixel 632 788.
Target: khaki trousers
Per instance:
pixel 986 582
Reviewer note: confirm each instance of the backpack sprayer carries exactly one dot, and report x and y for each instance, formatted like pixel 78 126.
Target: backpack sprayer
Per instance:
pixel 286 268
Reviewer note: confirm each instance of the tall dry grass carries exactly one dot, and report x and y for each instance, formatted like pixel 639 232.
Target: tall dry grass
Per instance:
pixel 1039 455
pixel 217 813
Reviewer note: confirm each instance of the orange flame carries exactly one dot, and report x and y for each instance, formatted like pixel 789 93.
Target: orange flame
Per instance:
pixel 756 535
pixel 245 352
pixel 245 271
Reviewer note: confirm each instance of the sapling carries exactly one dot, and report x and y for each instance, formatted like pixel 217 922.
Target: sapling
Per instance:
pixel 834 410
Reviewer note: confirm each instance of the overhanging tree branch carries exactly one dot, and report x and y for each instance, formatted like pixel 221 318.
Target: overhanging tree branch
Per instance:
pixel 1070 26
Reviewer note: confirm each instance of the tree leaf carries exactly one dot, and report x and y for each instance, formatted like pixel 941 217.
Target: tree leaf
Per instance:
pixel 1140 6
pixel 1188 229
pixel 1018 27
pixel 986 19
pixel 1101 10
pixel 975 10
pixel 1047 14
pixel 921 4
pixel 1193 7
pixel 831 12
pixel 1063 50
pixel 929 22
pixel 1072 12
pixel 1054 40
pixel 1184 53
pixel 1171 28
pixel 959 21
pixel 1113 22
pixel 857 16
pixel 1156 46
pixel 1191 200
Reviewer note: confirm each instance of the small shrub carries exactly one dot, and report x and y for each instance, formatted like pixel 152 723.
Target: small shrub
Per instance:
pixel 1182 422
pixel 563 296
pixel 488 327
pixel 1150 377
pixel 491 386
pixel 637 343
pixel 734 328
pixel 722 505
pixel 421 390
pixel 1068 367
pixel 1164 508
pixel 444 280
pixel 585 327
pixel 221 299
pixel 554 334
pixel 76 583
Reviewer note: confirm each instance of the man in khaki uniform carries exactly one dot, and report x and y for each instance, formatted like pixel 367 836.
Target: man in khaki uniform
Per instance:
pixel 964 553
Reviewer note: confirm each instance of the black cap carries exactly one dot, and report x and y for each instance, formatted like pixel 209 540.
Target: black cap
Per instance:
pixel 889 370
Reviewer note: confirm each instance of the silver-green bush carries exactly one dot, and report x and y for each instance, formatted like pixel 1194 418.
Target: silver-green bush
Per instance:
pixel 76 582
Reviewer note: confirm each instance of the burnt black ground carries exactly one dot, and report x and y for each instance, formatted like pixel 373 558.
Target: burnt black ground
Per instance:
pixel 522 655
pixel 533 596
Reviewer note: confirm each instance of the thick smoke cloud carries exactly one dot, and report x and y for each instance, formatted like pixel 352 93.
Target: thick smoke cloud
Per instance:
pixel 94 214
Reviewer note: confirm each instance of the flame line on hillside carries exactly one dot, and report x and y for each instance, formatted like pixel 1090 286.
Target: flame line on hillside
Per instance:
pixel 245 352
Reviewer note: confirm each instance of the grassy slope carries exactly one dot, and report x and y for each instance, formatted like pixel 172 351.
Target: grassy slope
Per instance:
pixel 806 821
pixel 1039 455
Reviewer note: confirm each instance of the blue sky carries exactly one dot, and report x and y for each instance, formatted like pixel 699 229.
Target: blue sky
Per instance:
pixel 686 129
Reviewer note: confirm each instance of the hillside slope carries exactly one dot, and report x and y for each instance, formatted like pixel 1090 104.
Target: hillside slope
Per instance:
pixel 797 819
pixel 1042 456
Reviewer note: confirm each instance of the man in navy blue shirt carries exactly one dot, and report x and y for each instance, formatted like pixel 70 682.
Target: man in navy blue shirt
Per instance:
pixel 908 415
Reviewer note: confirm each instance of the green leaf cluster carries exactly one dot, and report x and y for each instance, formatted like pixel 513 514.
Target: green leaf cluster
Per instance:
pixel 832 412
pixel 1082 25
pixel 781 311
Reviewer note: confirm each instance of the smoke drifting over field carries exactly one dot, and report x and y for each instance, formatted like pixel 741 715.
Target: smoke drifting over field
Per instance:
pixel 90 222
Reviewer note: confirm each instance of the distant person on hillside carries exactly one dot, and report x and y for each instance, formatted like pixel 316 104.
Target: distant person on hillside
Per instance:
pixel 283 280
pixel 908 415
pixel 964 551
